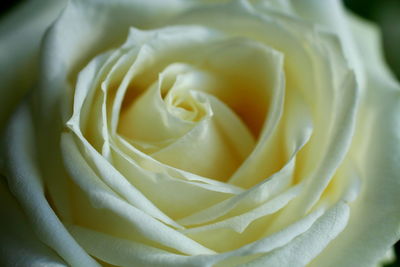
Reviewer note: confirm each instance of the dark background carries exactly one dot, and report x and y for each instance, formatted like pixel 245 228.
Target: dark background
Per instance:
pixel 386 13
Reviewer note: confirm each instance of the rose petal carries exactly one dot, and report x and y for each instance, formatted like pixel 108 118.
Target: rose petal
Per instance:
pixel 368 42
pixel 122 252
pixel 254 196
pixel 237 231
pixel 87 28
pixel 26 183
pixel 20 35
pixel 318 52
pixel 176 197
pixel 301 250
pixel 374 219
pixel 331 15
pixel 19 245
pixel 99 196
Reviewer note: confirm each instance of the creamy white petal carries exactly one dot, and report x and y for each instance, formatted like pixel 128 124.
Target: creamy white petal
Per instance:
pixel 252 197
pixel 341 133
pixel 367 37
pixel 88 100
pixel 244 201
pixel 113 179
pixel 163 47
pixel 301 250
pixel 76 37
pixel 374 224
pixel 149 119
pixel 236 43
pixel 87 28
pixel 331 15
pixel 269 243
pixel 146 162
pixel 122 252
pixel 279 5
pixel 20 33
pixel 26 183
pixel 141 223
pixel 177 197
pixel 334 89
pixel 239 223
pixel 216 60
pixel 232 127
pixel 201 151
pixel 114 76
pixel 323 173
pixel 251 170
pixel 19 245
pixel 293 38
pixel 240 230
pixel 108 174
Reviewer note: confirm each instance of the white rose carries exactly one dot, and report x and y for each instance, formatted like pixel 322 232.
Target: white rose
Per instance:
pixel 198 133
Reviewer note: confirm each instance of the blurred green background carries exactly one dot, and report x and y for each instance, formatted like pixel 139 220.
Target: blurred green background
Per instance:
pixel 386 13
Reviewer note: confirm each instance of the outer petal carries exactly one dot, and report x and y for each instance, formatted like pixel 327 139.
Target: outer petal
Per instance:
pixel 25 183
pixel 374 224
pixel 368 42
pixel 87 28
pixel 20 35
pixel 306 246
pixel 19 246
pixel 330 14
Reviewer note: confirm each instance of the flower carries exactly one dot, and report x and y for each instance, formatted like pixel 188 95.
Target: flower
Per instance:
pixel 202 133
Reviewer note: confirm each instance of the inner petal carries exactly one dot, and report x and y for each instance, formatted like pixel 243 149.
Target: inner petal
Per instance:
pixel 237 76
pixel 173 121
pixel 185 104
